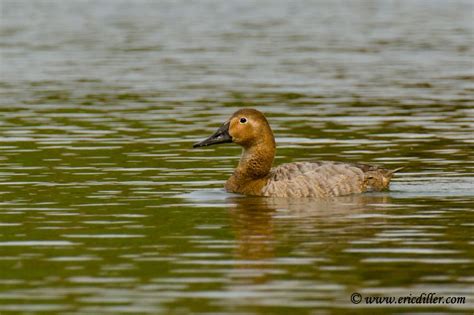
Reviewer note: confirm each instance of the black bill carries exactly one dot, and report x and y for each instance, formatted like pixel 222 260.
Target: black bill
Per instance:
pixel 220 136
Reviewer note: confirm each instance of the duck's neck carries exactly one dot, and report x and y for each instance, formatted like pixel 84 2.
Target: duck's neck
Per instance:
pixel 251 174
pixel 256 162
pixel 254 166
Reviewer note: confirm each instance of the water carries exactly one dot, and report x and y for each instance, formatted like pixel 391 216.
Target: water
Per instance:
pixel 106 209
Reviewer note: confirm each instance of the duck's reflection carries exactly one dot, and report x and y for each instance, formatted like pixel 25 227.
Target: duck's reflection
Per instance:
pixel 263 224
pixel 252 221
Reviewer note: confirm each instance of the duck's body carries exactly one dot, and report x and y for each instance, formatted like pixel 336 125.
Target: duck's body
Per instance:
pixel 255 176
pixel 325 179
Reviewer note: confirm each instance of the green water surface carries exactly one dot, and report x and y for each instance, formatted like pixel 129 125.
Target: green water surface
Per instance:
pixel 106 209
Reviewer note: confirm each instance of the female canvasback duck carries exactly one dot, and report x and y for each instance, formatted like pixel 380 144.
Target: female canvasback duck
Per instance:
pixel 255 176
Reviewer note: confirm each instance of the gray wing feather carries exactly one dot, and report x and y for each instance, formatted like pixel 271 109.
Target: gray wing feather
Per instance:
pixel 314 179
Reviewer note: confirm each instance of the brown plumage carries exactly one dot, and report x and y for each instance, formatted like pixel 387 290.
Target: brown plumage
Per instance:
pixel 254 174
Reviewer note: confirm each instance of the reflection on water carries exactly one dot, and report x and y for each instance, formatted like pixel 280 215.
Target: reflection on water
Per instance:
pixel 106 209
pixel 254 221
pixel 281 245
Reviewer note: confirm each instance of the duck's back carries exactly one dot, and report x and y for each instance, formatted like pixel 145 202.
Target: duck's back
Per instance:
pixel 324 179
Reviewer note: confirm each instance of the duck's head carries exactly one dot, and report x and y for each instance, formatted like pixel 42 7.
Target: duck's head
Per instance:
pixel 246 127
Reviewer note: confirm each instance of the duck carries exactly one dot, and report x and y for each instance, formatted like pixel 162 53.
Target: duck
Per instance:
pixel 256 176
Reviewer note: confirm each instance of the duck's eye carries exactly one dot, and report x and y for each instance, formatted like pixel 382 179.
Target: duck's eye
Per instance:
pixel 243 120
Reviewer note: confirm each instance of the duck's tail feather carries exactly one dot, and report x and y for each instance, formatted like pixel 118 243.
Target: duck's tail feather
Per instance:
pixel 391 172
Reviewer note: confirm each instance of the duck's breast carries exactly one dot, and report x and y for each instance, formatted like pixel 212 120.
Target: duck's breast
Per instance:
pixel 314 179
